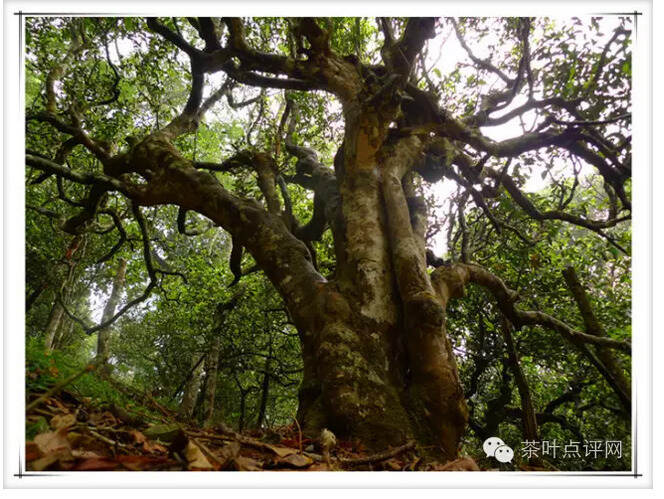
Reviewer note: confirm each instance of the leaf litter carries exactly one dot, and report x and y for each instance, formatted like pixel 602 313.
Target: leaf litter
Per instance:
pixel 83 437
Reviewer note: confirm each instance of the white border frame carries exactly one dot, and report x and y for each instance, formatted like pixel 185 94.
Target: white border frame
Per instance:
pixel 14 251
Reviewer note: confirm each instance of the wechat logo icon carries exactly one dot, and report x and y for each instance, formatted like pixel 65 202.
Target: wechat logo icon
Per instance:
pixel 495 447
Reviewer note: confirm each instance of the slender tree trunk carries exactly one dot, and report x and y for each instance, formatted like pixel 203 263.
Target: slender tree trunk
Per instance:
pixel 243 409
pixel 212 358
pixel 265 389
pixel 104 335
pixel 64 334
pixel 528 415
pixel 77 245
pixel 211 373
pixel 191 390
pixel 54 320
pixel 244 393
pixel 529 418
pixel 613 370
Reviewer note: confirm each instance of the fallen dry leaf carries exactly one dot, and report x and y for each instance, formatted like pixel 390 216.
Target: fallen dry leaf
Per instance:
pixel 153 447
pixel 146 444
pixel 31 451
pixel 140 463
pixel 97 464
pixel 196 458
pixel 227 453
pixel 392 464
pixel 294 442
pixel 138 437
pixel 108 417
pixel 296 461
pixel 56 403
pixel 247 464
pixel 461 464
pixel 281 451
pixel 52 442
pixel 43 462
pixel 319 467
pixel 63 421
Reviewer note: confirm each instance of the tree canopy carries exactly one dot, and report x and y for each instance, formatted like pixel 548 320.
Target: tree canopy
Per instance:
pixel 398 229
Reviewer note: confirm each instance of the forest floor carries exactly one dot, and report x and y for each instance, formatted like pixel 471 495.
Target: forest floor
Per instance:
pixel 70 432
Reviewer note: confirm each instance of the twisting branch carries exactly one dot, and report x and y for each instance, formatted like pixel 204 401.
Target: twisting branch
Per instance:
pixel 472 176
pixel 182 224
pixel 449 283
pixel 593 122
pixel 123 236
pixel 546 417
pixel 228 92
pixel 496 101
pixel 570 395
pixel 311 174
pixel 74 129
pixel 110 183
pixel 602 59
pixel 522 200
pixel 208 32
pixel 115 91
pixel 484 64
pixel 174 38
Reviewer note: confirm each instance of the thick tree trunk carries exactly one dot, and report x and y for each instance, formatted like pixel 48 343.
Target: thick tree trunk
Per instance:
pixel 104 335
pixel 378 365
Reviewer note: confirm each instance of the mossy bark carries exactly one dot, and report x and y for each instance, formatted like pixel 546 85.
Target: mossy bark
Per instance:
pixel 379 367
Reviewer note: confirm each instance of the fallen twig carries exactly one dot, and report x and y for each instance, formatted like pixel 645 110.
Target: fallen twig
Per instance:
pixel 382 456
pixel 58 387
pixel 299 433
pixel 107 440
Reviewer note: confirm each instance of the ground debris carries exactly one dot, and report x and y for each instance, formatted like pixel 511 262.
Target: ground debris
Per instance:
pixel 75 435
